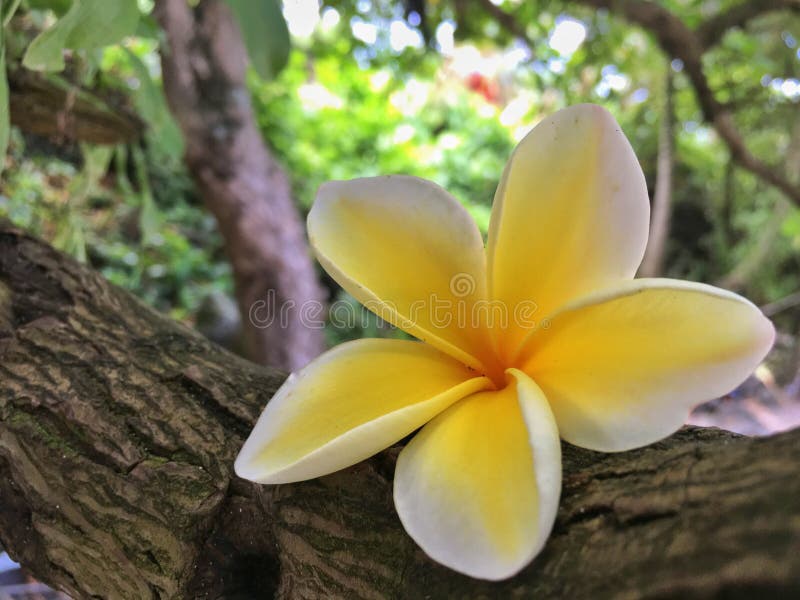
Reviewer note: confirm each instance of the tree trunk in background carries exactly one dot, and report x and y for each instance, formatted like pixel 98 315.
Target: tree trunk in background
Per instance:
pixel 653 262
pixel 204 65
pixel 118 430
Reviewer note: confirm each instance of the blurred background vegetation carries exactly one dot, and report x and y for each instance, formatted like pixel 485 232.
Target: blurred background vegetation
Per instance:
pixel 441 89
pixel 438 89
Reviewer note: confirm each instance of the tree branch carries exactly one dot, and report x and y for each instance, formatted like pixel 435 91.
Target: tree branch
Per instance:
pixel 755 260
pixel 712 30
pixel 678 41
pixel 118 430
pixel 52 106
pixel 507 20
pixel 781 304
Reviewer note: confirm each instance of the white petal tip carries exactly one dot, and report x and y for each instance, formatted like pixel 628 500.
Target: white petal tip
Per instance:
pixel 768 334
pixel 245 469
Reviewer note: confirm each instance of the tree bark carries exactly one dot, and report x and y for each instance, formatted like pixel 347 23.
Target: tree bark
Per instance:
pixel 54 107
pixel 118 430
pixel 204 65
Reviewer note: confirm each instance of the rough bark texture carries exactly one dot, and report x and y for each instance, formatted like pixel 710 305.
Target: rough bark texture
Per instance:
pixel 118 430
pixel 204 64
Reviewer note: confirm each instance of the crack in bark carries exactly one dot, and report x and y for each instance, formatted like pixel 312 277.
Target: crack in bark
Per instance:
pixel 116 481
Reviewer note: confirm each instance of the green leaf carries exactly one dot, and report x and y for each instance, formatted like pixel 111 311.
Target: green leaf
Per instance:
pixel 88 24
pixel 9 7
pixel 71 228
pixel 148 28
pixel 265 34
pixel 149 215
pixel 70 237
pixel 95 164
pixel 60 7
pixel 164 133
pixel 103 22
pixel 791 224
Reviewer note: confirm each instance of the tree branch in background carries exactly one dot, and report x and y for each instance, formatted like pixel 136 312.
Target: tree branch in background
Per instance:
pixel 773 308
pixel 118 430
pixel 678 41
pixel 712 30
pixel 507 20
pixel 204 62
pixel 653 261
pixel 52 106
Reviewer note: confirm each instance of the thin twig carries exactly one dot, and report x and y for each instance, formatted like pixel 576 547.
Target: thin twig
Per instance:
pixel 782 304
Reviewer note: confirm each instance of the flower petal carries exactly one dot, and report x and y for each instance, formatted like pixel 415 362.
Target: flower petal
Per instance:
pixel 623 367
pixel 348 404
pixel 570 215
pixel 478 487
pixel 409 252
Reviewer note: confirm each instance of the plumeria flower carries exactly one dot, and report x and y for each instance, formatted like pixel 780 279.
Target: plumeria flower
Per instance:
pixel 609 363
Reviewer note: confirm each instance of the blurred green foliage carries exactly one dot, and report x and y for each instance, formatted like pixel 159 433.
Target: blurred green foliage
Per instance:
pixel 352 101
pixel 265 34
pixel 165 248
pixel 340 121
pixel 88 24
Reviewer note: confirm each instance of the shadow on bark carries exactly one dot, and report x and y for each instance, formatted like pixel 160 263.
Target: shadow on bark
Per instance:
pixel 118 430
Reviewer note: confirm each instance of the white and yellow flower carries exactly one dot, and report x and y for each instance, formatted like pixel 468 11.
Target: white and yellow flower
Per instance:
pixel 610 363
